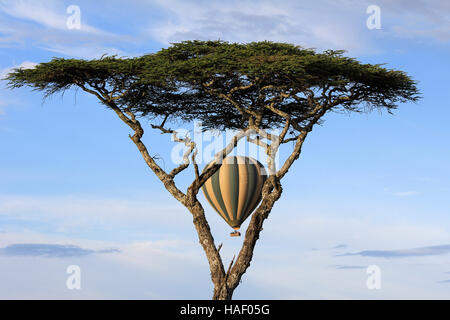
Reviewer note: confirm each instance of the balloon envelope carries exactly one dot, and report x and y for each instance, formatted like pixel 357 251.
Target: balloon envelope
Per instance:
pixel 234 190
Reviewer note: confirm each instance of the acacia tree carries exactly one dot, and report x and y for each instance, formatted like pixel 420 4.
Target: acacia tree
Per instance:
pixel 251 87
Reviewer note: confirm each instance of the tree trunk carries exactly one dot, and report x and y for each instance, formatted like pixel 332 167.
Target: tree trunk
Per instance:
pixel 222 292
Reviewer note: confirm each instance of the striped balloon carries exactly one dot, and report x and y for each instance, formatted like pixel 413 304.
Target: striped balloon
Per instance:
pixel 234 190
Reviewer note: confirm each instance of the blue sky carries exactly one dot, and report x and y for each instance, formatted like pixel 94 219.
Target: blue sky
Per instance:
pixel 368 189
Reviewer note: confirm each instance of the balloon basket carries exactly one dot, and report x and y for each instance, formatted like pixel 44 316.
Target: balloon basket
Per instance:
pixel 235 234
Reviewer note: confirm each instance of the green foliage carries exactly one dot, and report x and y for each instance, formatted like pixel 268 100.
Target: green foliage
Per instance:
pixel 207 80
pixel 60 74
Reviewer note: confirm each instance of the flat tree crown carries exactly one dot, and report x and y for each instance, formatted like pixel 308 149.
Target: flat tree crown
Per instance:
pixel 227 85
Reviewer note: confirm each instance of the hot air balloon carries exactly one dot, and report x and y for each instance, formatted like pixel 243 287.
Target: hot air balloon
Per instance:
pixel 234 190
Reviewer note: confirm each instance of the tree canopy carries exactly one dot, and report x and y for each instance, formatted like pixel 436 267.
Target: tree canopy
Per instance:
pixel 227 85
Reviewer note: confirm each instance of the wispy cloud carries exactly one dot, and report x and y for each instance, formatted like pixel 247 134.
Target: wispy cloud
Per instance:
pixel 49 14
pixel 418 19
pixel 86 214
pixel 300 23
pixel 349 267
pixel 320 24
pixel 444 281
pixel 415 252
pixel 3 73
pixel 142 270
pixel 44 23
pixel 158 268
pixel 340 246
pixel 24 65
pixel 49 250
pixel 86 52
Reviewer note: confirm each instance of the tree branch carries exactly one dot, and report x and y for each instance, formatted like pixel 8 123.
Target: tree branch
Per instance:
pixel 188 143
pixel 318 112
pixel 135 125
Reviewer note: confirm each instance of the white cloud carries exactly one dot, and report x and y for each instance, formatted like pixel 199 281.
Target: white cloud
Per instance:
pixel 44 24
pixel 50 250
pixel 28 65
pixel 3 73
pixel 86 52
pixel 81 213
pixel 402 253
pixel 320 24
pixel 49 13
pixel 173 265
pixel 23 65
pixel 140 270
pixel 327 26
pixel 418 19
